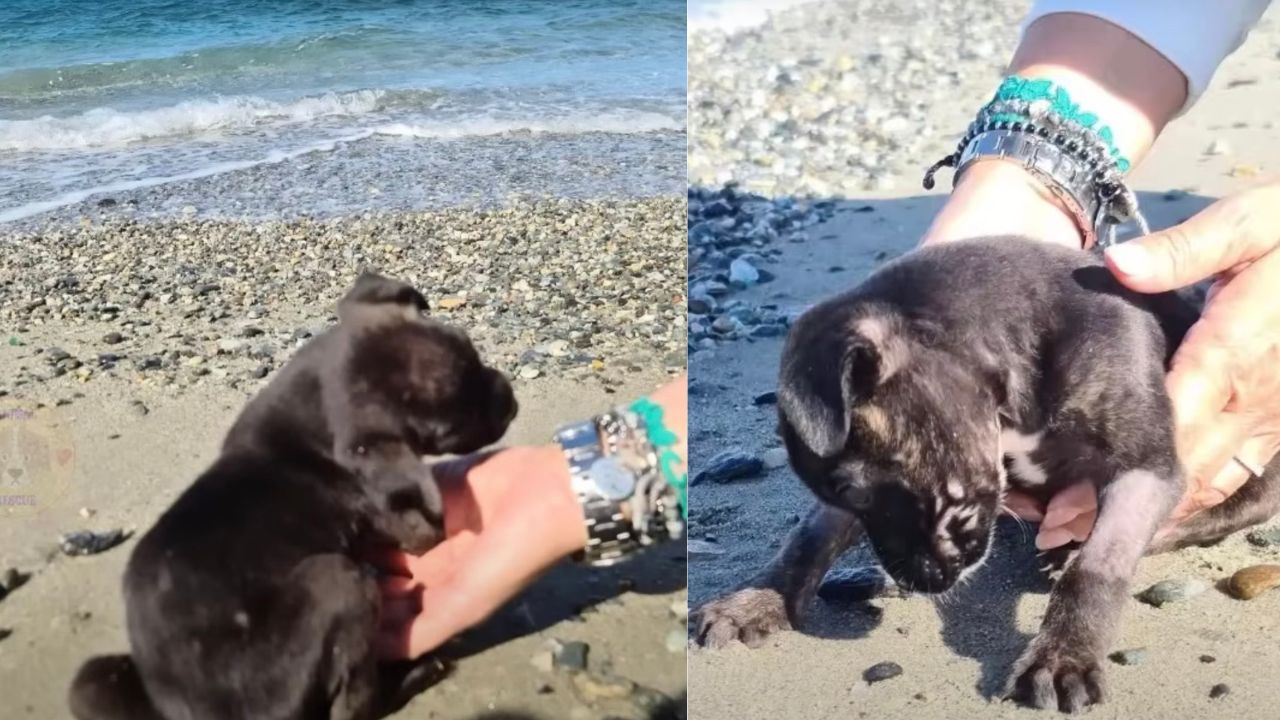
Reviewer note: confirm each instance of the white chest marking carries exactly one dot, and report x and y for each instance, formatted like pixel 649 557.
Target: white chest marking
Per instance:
pixel 1018 448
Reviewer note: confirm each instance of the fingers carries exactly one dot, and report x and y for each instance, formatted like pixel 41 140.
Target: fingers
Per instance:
pixel 1231 232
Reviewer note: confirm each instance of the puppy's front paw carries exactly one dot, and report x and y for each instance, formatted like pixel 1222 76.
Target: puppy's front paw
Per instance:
pixel 1052 675
pixel 749 615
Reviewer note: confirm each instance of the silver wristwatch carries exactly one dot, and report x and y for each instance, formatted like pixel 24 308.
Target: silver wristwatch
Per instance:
pixel 604 484
pixel 1067 177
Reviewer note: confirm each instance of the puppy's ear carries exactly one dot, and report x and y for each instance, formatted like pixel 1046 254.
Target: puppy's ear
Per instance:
pixel 828 371
pixel 374 289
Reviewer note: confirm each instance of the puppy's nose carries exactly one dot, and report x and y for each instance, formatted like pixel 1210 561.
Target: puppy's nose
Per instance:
pixel 934 574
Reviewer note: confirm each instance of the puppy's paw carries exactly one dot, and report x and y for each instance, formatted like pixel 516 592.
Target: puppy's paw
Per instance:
pixel 748 615
pixel 1051 675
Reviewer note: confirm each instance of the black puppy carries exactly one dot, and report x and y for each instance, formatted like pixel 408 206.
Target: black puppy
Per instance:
pixel 247 598
pixel 911 403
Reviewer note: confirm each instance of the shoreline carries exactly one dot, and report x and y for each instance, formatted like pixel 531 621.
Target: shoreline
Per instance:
pixel 379 173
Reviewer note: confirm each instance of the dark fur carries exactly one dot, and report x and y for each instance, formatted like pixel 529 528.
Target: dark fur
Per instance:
pixel 892 398
pixel 247 598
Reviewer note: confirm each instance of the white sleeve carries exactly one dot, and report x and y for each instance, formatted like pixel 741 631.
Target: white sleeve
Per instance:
pixel 1195 35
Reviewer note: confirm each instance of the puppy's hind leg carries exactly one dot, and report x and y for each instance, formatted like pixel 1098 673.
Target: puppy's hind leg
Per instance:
pixel 775 598
pixel 1062 668
pixel 1258 500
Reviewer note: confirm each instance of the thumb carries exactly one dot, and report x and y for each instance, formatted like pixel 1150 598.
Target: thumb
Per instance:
pixel 1228 233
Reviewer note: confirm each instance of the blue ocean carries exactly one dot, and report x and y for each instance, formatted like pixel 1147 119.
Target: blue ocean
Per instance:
pixel 106 97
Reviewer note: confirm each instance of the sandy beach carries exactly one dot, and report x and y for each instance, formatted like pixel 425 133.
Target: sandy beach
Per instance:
pixel 827 141
pixel 136 343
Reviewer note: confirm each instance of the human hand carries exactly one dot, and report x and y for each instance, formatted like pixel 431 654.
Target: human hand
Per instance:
pixel 1225 377
pixel 508 517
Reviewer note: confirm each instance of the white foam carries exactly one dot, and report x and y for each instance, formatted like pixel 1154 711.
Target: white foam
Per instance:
pixel 70 198
pixel 107 127
pixel 618 122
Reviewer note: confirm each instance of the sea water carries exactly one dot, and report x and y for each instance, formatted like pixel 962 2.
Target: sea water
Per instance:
pixel 313 106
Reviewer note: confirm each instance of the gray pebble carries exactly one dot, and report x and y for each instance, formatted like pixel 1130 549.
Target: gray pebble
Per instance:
pixel 1265 537
pixel 113 338
pixel 853 585
pixel 87 542
pixel 1207 659
pixel 1220 690
pixel 571 656
pixel 766 398
pixel 743 274
pixel 1173 590
pixel 881 671
pixel 729 465
pixel 1134 656
pixel 775 458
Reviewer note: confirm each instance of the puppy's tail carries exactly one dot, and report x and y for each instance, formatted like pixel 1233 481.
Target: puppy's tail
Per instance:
pixel 108 687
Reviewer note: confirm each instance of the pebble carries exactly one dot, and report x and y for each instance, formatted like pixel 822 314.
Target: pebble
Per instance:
pixel 529 372
pixel 1172 590
pixel 570 656
pixel 853 585
pixel 113 338
pixel 1265 537
pixel 1207 659
pixel 1218 147
pixel 677 640
pixel 701 548
pixel 5 633
pixel 591 688
pixel 1248 583
pixel 766 398
pixel 11 580
pixel 86 513
pixel 1220 690
pixel 87 542
pixel 881 671
pixel 729 465
pixel 1134 656
pixel 137 409
pixel 743 274
pixel 775 458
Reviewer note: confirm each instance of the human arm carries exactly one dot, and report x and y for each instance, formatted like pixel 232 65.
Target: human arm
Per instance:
pixel 508 517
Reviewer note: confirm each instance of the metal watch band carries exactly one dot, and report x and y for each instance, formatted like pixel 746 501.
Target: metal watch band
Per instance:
pixel 1068 178
pixel 610 535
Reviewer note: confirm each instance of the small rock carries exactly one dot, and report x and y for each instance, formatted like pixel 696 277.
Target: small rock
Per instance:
pixel 726 325
pixel 774 458
pixel 545 689
pixel 5 633
pixel 105 203
pixel 701 548
pixel 853 585
pixel 113 338
pixel 680 609
pixel 1218 147
pixel 1134 656
pixel 86 542
pixel 592 688
pixel 1250 582
pixel 881 671
pixel 571 656
pixel 1174 590
pixel 138 409
pixel 742 273
pixel 260 372
pixel 11 580
pixel 451 303
pixel 1207 659
pixel 677 640
pixel 730 465
pixel 1220 690
pixel 529 372
pixel 766 398
pixel 1265 537
pixel 86 513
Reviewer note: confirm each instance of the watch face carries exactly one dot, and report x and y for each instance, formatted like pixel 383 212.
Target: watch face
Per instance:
pixel 612 479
